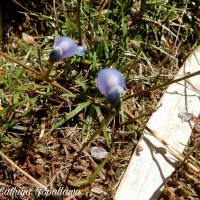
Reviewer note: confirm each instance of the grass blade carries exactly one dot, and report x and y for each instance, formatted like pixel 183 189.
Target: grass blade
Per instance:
pixel 70 115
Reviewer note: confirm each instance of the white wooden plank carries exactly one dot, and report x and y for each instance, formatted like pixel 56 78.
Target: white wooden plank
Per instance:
pixel 148 171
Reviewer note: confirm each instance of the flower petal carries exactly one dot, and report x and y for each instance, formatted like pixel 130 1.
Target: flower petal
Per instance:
pixel 109 78
pixel 111 83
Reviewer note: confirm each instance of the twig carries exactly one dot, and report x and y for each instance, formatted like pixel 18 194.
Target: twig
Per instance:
pixel 190 152
pixel 54 83
pixel 27 10
pixel 195 131
pixel 1 30
pixel 163 85
pixel 105 122
pixel 22 171
pixel 19 63
pixel 179 27
pixel 103 6
pixel 173 151
pixel 79 21
pixel 38 74
pixel 55 14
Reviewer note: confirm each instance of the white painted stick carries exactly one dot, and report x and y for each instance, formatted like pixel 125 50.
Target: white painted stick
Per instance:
pixel 149 170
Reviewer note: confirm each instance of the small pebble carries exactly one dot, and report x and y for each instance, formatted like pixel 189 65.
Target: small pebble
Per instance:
pixel 98 152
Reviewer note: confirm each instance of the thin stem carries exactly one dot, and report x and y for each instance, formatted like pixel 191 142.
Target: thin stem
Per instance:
pixel 19 63
pixel 39 55
pixel 22 171
pixel 50 67
pixel 55 14
pixel 105 122
pixel 103 6
pixel 89 21
pixel 79 21
pixel 190 152
pixel 38 74
pixel 54 83
pixel 170 149
pixel 18 4
pixel 65 15
pixel 163 85
pixel 1 29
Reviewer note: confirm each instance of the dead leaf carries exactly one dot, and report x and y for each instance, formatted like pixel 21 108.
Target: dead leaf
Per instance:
pixel 28 39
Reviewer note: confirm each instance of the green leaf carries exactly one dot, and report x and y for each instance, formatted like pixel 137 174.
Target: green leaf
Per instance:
pixel 13 121
pixel 81 82
pixel 89 120
pixel 12 107
pixel 93 175
pixel 70 115
pixel 101 118
pixel 11 140
pixel 15 97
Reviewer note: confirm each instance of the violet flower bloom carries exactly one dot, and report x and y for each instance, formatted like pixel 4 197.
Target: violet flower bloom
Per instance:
pixel 111 83
pixel 65 47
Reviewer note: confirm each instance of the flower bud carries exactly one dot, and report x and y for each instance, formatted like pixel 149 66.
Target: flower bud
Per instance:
pixel 65 47
pixel 111 83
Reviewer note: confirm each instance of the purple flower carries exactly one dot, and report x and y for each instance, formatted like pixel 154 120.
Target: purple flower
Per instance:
pixel 65 47
pixel 111 83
